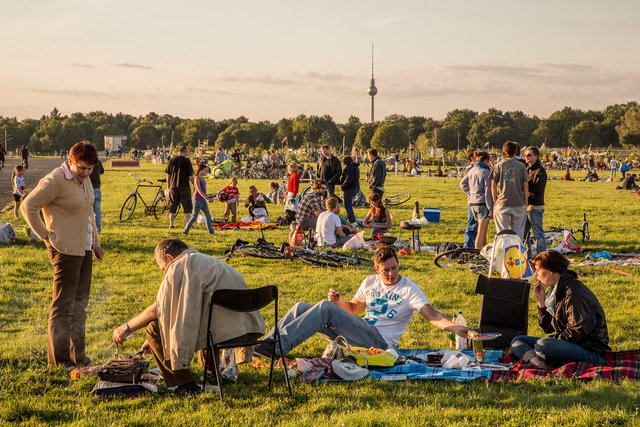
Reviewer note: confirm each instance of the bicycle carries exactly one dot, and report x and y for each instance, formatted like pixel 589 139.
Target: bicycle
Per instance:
pixel 463 258
pixel 157 207
pixel 396 200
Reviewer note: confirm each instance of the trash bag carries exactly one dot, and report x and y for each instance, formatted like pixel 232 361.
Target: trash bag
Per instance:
pixel 356 242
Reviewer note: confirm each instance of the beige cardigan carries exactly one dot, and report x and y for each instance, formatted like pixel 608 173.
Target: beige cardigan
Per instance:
pixel 66 209
pixel 183 306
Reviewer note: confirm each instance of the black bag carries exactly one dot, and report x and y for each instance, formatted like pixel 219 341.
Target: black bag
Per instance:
pixel 504 309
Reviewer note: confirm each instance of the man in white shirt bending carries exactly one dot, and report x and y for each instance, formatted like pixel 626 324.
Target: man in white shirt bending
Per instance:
pixel 388 299
pixel 328 227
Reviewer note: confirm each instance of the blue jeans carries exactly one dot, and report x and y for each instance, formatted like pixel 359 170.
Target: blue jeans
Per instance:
pixel 348 203
pixel 97 209
pixel 553 350
pixel 331 189
pixel 471 231
pixel 326 318
pixel 201 205
pixel 534 222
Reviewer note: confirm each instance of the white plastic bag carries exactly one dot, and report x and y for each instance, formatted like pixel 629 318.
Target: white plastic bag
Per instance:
pixel 7 233
pixel 201 219
pixel 356 242
pixel 228 365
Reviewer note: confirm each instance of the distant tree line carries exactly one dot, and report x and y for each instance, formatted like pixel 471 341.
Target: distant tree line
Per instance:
pixel 618 125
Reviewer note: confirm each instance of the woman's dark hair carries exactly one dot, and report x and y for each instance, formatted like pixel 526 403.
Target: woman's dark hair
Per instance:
pixel 347 159
pixel 376 203
pixel 318 183
pixel 551 260
pixel 173 247
pixel 84 151
pixel 471 153
pixel 482 156
pixel 201 166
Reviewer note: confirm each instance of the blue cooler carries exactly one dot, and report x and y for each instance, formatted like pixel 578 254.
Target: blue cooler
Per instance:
pixel 431 214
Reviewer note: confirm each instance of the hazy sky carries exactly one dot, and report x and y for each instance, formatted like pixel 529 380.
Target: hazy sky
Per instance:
pixel 272 59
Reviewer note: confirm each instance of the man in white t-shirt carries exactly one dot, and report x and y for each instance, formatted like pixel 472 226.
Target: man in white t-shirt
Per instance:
pixel 388 299
pixel 328 227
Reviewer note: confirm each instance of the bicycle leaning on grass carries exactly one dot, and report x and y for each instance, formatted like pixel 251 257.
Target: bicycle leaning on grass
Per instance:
pixel 156 208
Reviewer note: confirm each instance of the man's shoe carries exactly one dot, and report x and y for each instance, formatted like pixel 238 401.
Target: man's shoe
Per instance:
pixel 264 350
pixel 188 389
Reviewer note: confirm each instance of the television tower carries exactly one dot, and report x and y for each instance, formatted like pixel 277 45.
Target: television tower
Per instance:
pixel 372 91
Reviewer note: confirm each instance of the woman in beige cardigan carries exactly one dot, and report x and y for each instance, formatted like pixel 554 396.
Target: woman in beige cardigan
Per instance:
pixel 65 197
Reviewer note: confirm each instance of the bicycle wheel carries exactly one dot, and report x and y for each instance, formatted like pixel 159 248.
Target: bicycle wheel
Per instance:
pixel 260 252
pixel 398 199
pixel 128 207
pixel 462 258
pixel 319 260
pixel 159 207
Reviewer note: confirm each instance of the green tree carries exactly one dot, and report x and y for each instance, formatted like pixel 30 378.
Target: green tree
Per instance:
pixel 461 120
pixel 143 135
pixel 390 137
pixel 585 134
pixel 629 129
pixel 485 127
pixel 364 135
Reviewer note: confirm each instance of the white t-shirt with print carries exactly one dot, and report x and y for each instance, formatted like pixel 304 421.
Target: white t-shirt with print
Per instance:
pixel 326 228
pixel 390 308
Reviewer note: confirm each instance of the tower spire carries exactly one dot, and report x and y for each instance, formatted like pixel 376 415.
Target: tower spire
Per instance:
pixel 372 91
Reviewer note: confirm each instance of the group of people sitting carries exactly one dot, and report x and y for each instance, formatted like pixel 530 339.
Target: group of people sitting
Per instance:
pixel 567 310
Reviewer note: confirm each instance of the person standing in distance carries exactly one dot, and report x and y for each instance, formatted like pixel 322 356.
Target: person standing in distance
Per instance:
pixel 535 201
pixel 65 197
pixel 377 174
pixel 97 193
pixel 510 191
pixel 179 173
pixel 329 169
pixel 24 155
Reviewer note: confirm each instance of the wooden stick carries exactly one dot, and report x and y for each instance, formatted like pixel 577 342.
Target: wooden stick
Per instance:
pixel 616 271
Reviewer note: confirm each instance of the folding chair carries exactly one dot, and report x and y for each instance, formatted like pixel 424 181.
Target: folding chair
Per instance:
pixel 243 300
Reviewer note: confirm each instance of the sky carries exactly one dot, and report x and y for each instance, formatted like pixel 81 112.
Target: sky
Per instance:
pixel 266 60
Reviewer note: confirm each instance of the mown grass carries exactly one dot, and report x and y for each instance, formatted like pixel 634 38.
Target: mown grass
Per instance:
pixel 127 279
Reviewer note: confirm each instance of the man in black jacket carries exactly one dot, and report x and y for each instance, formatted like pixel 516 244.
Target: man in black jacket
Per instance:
pixel 535 202
pixel 377 174
pixel 329 169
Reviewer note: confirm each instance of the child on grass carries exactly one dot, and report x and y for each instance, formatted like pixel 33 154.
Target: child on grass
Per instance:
pixel 17 181
pixel 201 199
pixel 231 203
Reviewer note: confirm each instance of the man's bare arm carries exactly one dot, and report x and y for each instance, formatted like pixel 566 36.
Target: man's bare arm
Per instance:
pixel 441 321
pixel 354 306
pixel 147 316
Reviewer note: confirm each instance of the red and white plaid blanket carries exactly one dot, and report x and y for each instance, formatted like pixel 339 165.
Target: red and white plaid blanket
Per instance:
pixel 617 366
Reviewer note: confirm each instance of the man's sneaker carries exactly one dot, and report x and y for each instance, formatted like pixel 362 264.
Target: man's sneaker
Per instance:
pixel 188 389
pixel 264 350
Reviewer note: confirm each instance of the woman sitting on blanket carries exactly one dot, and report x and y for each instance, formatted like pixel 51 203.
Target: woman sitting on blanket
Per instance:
pixel 569 311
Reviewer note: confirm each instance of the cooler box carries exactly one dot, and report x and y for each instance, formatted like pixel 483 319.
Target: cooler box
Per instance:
pixel 431 214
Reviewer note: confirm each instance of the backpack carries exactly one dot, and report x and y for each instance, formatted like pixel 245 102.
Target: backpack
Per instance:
pixel 445 246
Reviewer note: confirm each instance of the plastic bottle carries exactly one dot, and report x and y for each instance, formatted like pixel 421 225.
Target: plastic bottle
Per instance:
pixel 452 336
pixel 461 343
pixel 416 212
pixel 477 346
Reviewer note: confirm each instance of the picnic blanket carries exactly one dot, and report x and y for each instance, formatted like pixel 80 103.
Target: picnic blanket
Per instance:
pixel 321 369
pixel 618 366
pixel 252 225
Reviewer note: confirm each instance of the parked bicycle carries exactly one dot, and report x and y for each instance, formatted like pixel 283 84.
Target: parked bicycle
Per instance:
pixel 156 208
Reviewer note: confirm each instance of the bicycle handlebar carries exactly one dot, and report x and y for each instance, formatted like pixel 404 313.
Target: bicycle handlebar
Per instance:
pixel 140 180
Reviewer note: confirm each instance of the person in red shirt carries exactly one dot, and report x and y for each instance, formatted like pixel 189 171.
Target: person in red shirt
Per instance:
pixel 292 188
pixel 231 203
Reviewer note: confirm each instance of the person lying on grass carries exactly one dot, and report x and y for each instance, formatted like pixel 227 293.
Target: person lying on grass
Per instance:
pixel 173 336
pixel 569 311
pixel 388 298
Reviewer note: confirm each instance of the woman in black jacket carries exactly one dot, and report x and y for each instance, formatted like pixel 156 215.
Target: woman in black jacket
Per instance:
pixel 569 311
pixel 350 185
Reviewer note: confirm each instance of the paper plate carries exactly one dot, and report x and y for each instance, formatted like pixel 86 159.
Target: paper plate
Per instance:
pixel 486 336
pixel 348 371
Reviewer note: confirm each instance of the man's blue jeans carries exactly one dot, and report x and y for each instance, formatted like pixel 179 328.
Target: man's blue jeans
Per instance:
pixel 331 189
pixel 348 203
pixel 534 222
pixel 471 231
pixel 97 208
pixel 201 205
pixel 326 318
pixel 553 350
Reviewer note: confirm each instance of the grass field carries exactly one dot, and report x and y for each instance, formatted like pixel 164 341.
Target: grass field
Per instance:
pixel 127 279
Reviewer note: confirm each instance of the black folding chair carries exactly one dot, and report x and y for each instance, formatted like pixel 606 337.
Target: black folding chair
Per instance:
pixel 243 300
